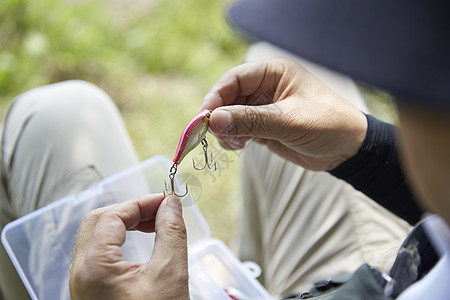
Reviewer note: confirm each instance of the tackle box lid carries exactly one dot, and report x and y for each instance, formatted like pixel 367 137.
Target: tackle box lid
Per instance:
pixel 40 243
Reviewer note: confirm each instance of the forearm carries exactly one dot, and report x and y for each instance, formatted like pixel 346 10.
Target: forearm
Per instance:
pixel 376 171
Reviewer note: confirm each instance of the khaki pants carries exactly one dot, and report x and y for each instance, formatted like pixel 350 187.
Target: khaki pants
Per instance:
pixel 57 140
pixel 302 226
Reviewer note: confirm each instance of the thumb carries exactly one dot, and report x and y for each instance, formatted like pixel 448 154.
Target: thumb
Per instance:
pixel 262 121
pixel 171 238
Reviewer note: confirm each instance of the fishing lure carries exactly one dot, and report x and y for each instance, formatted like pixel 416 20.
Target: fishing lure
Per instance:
pixel 194 134
pixel 236 294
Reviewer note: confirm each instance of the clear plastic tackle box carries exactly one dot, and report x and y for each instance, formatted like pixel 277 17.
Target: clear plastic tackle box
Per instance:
pixel 40 244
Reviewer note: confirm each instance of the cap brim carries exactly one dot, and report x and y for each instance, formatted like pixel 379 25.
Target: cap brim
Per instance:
pixel 389 44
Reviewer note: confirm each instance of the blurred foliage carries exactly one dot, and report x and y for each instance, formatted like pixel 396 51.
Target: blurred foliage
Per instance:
pixel 52 40
pixel 380 104
pixel 156 59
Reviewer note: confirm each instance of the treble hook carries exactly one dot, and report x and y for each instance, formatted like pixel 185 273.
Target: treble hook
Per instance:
pixel 207 161
pixel 173 171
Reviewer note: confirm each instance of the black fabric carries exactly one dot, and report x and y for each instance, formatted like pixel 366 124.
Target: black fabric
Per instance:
pixel 361 286
pixel 402 46
pixel 415 258
pixel 376 171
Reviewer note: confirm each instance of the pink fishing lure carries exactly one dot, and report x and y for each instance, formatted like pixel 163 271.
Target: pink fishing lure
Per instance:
pixel 193 134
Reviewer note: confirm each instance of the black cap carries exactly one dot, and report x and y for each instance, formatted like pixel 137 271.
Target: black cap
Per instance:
pixel 402 46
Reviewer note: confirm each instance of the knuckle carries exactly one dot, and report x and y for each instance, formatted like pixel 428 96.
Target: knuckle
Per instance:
pixel 252 118
pixel 178 272
pixel 175 283
pixel 93 216
pixel 108 215
pixel 251 114
pixel 177 230
pixel 80 277
pixel 182 278
pixel 253 122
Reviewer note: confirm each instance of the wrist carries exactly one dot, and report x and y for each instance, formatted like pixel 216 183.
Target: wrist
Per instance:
pixel 355 131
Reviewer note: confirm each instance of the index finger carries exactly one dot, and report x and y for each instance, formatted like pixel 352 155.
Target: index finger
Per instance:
pixel 107 225
pixel 237 84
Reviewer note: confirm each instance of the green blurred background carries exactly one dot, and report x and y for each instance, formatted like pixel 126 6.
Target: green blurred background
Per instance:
pixel 156 59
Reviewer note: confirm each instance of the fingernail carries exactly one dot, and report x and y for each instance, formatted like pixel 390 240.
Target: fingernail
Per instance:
pixel 222 121
pixel 175 204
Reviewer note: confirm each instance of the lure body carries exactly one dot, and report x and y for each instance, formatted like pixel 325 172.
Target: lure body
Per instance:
pixel 193 134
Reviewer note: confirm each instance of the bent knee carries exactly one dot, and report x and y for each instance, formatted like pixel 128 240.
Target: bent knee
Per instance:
pixel 56 108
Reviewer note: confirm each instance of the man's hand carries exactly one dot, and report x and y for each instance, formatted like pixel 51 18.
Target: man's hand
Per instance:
pixel 280 104
pixel 98 270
